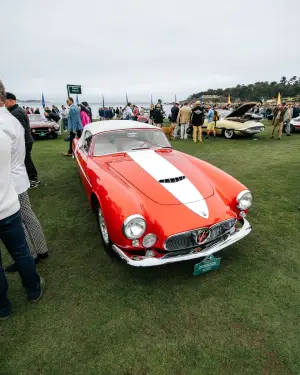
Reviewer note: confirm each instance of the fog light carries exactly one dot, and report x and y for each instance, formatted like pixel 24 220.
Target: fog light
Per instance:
pixel 149 254
pixel 135 243
pixel 149 240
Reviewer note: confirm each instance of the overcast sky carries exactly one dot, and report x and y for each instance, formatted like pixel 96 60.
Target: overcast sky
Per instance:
pixel 143 47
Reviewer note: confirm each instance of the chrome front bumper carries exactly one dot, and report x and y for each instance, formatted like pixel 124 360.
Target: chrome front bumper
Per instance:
pixel 153 262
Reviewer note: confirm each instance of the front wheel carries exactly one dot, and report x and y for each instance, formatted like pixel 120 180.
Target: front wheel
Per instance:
pixel 107 244
pixel 229 134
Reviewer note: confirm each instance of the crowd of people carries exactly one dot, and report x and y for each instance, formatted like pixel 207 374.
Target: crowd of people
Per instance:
pixel 20 229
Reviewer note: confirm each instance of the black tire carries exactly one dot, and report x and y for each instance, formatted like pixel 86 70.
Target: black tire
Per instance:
pixel 107 244
pixel 292 127
pixel 54 136
pixel 228 133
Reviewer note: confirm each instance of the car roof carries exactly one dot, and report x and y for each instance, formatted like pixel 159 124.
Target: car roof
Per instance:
pixel 104 126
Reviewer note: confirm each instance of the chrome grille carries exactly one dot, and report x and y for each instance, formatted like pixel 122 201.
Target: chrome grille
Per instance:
pixel 187 240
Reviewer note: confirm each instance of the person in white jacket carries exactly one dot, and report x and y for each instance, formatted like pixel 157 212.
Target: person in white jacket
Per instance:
pixel 33 229
pixel 12 234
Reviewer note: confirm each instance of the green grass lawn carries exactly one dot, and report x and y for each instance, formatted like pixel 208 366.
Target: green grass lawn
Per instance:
pixel 100 316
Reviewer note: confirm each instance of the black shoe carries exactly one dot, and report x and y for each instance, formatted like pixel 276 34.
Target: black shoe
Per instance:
pixel 43 256
pixel 215 138
pixel 13 268
pixel 42 288
pixel 206 137
pixel 289 135
pixel 33 185
pixel 4 315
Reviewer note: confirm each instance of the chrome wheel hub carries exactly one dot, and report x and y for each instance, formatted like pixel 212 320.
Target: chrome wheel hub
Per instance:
pixel 102 226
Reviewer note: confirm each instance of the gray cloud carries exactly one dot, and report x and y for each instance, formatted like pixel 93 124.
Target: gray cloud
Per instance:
pixel 140 47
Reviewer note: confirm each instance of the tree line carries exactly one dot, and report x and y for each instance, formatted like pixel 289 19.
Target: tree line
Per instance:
pixel 257 91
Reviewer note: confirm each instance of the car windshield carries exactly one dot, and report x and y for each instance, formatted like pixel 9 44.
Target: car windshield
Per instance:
pixel 224 113
pixel 36 118
pixel 128 140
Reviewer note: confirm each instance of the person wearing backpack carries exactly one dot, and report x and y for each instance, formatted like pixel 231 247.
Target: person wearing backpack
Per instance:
pixel 212 118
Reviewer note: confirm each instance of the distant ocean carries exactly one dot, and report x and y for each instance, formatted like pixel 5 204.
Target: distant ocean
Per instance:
pixel 94 106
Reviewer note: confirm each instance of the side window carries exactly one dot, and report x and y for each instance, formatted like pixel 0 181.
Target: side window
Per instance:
pixel 87 141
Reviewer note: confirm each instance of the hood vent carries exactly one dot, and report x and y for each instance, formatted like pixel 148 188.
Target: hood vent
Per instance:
pixel 172 180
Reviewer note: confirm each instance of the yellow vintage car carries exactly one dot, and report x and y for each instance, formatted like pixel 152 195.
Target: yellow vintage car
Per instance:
pixel 238 121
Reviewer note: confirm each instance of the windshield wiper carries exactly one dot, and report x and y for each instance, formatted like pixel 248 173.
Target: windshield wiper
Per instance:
pixel 164 146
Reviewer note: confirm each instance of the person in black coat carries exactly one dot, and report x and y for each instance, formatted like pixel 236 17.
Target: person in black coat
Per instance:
pixel 197 120
pixel 173 119
pixel 174 113
pixel 158 116
pixel 19 113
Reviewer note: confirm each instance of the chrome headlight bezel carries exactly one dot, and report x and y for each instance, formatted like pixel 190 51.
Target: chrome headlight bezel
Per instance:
pixel 149 240
pixel 244 200
pixel 130 222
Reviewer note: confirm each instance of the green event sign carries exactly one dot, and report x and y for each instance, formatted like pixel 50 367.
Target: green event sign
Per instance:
pixel 209 263
pixel 74 89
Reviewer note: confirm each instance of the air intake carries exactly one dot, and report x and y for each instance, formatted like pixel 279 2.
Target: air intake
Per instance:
pixel 172 180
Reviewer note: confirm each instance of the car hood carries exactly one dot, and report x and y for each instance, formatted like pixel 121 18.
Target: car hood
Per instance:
pixel 242 110
pixel 166 177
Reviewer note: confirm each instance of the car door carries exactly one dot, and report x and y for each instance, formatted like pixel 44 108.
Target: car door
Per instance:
pixel 82 154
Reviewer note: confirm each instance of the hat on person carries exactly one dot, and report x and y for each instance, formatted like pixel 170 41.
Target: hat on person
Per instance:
pixel 11 96
pixel 197 102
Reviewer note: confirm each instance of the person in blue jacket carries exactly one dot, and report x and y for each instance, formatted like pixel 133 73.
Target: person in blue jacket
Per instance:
pixel 74 123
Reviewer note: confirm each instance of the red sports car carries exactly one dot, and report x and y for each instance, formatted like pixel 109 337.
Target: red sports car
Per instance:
pixel 156 205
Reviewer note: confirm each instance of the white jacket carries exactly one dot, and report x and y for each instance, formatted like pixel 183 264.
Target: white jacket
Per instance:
pixel 15 131
pixel 9 202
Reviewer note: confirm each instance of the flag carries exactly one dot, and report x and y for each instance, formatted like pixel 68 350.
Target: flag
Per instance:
pixel 126 99
pixel 279 98
pixel 43 101
pixel 151 100
pixel 103 104
pixel 201 100
pixel 175 98
pixel 228 99
pixel 77 100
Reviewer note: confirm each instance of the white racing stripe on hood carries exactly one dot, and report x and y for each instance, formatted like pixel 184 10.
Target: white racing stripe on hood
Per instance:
pixel 160 169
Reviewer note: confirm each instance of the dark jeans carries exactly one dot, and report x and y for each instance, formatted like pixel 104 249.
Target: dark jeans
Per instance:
pixel 30 168
pixel 13 237
pixel 72 136
pixel 65 123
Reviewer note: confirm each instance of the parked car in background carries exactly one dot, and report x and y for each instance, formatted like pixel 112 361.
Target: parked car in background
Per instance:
pixel 294 125
pixel 43 128
pixel 156 205
pixel 237 121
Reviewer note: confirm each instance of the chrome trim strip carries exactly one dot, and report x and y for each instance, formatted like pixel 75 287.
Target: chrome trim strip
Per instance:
pixel 196 229
pixel 152 262
pixel 80 166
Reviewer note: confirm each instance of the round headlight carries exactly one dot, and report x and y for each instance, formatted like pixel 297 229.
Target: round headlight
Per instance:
pixel 149 240
pixel 244 200
pixel 56 127
pixel 134 227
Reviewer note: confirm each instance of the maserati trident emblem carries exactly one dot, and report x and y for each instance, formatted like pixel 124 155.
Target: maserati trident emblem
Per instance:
pixel 202 236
